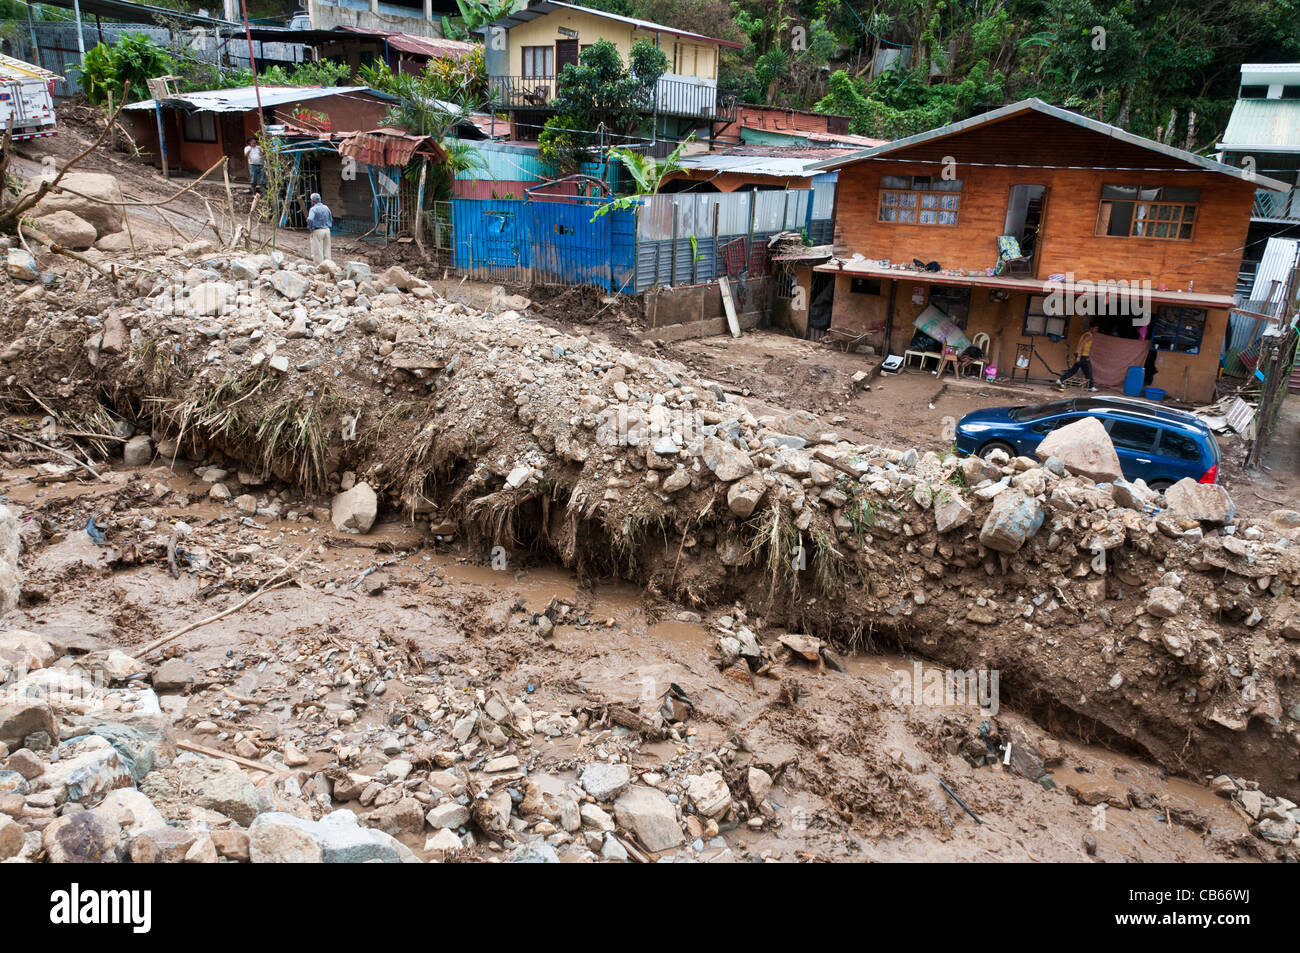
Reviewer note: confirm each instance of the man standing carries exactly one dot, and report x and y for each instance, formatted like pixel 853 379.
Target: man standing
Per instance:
pixel 320 221
pixel 253 153
pixel 1082 362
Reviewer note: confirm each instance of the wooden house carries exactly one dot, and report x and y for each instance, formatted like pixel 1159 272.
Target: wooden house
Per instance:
pixel 1089 206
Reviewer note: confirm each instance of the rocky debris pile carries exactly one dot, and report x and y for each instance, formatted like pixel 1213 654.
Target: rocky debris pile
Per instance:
pixel 1275 819
pixel 83 211
pixel 369 391
pixel 92 772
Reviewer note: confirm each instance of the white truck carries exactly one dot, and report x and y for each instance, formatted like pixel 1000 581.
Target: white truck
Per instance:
pixel 26 99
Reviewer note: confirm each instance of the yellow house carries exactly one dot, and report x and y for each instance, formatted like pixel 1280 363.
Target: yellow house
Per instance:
pixel 525 51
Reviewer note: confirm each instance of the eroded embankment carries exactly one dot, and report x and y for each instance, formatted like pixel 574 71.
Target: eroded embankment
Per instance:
pixel 1171 627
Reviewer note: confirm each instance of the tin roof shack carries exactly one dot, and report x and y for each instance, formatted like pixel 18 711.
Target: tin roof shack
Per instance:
pixel 201 127
pixel 1088 204
pixel 373 181
pixel 403 52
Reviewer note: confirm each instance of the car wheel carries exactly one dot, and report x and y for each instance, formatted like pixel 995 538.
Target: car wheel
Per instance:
pixel 992 445
pixel 1160 485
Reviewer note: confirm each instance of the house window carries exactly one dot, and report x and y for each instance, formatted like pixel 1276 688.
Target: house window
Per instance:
pixel 864 286
pixel 1147 211
pixel 919 199
pixel 1178 329
pixel 952 301
pixel 1041 319
pixel 786 285
pixel 199 127
pixel 539 62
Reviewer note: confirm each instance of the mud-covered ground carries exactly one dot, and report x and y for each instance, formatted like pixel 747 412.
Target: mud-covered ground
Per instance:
pixel 857 766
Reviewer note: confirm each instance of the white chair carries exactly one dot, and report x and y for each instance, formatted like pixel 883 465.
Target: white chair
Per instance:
pixel 981 341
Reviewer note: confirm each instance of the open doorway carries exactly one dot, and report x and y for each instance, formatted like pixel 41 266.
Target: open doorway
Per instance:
pixel 1026 212
pixel 819 304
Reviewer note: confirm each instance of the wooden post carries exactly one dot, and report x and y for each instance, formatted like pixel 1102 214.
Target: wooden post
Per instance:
pixel 672 264
pixel 36 47
pixel 162 137
pixel 419 206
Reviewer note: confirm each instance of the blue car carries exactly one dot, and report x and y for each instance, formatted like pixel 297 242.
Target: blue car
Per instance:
pixel 1155 444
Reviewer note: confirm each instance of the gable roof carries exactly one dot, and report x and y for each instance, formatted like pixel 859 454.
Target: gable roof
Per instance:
pixel 1026 106
pixel 540 8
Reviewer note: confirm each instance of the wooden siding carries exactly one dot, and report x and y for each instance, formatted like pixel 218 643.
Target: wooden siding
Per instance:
pixel 1210 259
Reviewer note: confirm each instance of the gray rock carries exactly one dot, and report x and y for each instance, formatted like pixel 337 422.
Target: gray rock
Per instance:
pixel 222 787
pixel 535 853
pixel 449 815
pixel 1013 519
pixel 744 495
pixel 355 510
pixel 950 510
pixel 138 451
pixel 1204 502
pixel 23 718
pixel 290 284
pixel 605 781
pixel 649 815
pixel 726 462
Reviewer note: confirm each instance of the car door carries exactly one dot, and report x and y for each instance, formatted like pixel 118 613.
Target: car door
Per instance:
pixel 1178 455
pixel 1135 444
pixel 1041 428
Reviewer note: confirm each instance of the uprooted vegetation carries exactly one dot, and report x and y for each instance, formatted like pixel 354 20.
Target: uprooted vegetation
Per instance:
pixel 499 431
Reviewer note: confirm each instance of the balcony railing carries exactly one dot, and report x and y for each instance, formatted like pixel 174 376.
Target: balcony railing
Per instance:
pixel 673 96
pixel 1277 206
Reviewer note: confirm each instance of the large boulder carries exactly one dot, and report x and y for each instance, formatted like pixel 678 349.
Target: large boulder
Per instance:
pixel 220 786
pixel 85 838
pixel 76 193
pixel 1085 449
pixel 354 510
pixel 336 838
pixel 1013 519
pixel 1204 502
pixel 648 814
pixel 67 229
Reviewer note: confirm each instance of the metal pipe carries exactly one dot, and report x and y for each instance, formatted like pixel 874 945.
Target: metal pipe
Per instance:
pixel 81 40
pixel 252 65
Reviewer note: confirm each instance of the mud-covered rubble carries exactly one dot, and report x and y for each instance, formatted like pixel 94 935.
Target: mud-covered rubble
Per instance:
pixel 91 772
pixel 1161 619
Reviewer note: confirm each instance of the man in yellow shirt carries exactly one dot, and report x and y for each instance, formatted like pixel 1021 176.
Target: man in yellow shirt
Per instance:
pixel 1082 361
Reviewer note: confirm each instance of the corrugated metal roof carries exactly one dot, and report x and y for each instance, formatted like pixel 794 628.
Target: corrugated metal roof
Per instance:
pixel 244 98
pixel 1056 112
pixel 1272 275
pixel 435 47
pixel 539 8
pixel 1263 124
pixel 797 166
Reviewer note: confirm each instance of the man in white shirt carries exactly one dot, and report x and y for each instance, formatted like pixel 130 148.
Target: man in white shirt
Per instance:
pixel 253 153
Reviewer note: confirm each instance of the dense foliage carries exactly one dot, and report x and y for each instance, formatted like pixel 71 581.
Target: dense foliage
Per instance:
pixel 1166 68
pixel 600 97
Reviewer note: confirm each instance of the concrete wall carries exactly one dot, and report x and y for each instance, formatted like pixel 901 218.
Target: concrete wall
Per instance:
pixel 675 314
pixel 392 18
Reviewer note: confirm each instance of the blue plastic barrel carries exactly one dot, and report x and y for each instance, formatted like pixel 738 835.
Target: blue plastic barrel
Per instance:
pixel 1133 381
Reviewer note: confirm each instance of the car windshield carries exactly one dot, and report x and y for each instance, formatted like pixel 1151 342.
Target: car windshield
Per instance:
pixel 1039 411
